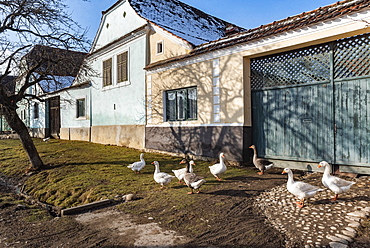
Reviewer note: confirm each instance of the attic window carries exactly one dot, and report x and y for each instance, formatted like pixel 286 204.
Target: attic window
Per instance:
pixel 160 47
pixel 124 14
pixel 107 25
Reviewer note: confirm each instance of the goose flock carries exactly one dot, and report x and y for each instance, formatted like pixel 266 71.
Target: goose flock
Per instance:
pixel 303 191
pixel 184 175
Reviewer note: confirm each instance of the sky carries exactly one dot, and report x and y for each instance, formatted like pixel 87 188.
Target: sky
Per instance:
pixel 244 13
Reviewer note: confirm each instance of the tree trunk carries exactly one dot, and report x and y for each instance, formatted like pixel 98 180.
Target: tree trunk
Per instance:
pixel 20 128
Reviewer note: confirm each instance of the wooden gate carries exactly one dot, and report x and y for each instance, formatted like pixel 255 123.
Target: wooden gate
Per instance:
pixel 313 104
pixel 54 116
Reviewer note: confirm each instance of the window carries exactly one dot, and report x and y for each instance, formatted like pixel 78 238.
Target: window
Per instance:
pixel 36 111
pixel 181 104
pixel 159 47
pixel 122 67
pixel 107 72
pixel 80 108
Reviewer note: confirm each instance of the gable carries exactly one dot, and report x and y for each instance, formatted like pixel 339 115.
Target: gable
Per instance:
pixel 116 22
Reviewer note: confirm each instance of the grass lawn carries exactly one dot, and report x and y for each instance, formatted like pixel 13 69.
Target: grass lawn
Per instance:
pixel 83 172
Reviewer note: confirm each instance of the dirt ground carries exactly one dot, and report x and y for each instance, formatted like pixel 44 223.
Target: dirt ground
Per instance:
pixel 227 213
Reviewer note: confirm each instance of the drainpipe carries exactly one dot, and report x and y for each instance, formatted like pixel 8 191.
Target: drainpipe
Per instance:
pixel 90 121
pixel 147 61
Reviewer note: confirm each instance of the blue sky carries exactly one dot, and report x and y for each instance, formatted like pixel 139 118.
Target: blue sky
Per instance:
pixel 244 13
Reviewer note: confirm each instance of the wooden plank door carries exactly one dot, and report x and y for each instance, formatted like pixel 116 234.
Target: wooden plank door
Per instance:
pixel 352 120
pixel 54 116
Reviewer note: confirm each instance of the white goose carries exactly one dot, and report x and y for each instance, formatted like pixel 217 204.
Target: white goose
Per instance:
pixel 161 177
pixel 300 189
pixel 335 184
pixel 138 166
pixel 180 173
pixel 218 169
pixel 192 180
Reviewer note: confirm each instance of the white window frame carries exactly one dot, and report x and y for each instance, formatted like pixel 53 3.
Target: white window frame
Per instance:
pixel 81 117
pixel 162 46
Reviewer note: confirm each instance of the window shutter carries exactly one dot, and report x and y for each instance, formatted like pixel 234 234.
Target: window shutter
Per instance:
pixel 122 67
pixel 107 72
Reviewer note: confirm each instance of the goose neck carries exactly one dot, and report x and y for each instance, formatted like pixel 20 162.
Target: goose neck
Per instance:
pixel 290 177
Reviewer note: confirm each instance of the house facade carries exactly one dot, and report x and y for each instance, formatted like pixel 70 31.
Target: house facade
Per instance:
pixel 296 88
pixel 132 34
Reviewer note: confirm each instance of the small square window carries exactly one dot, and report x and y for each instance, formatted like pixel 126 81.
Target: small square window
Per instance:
pixel 159 47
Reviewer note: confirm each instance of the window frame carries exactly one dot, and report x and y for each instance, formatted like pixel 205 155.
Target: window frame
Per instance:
pixel 160 44
pixel 80 115
pixel 122 66
pixel 179 105
pixel 107 72
pixel 36 110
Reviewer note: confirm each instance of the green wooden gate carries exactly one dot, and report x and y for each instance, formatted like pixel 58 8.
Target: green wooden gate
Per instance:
pixel 313 104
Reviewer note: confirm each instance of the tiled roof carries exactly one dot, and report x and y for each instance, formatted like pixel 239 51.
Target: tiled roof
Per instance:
pixel 298 21
pixel 182 20
pixel 63 65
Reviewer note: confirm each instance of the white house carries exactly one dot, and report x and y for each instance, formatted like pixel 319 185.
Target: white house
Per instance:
pixel 131 35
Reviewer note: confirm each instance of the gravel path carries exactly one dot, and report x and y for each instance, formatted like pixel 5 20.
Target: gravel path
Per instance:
pixel 320 223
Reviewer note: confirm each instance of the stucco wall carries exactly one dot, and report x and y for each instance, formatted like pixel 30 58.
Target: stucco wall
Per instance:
pixel 204 141
pixel 120 103
pixel 172 46
pixel 119 21
pixel 131 136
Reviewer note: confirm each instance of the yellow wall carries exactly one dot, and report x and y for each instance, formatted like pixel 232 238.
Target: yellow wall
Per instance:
pixel 171 48
pixel 201 75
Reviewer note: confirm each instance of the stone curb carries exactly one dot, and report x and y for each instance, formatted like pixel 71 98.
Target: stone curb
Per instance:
pixel 82 208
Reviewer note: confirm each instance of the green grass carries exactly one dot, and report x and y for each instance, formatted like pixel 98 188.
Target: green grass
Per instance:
pixel 83 172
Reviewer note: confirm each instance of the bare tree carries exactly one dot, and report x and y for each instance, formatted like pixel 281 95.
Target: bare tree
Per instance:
pixel 27 26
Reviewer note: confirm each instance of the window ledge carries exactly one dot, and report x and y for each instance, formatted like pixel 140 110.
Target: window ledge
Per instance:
pixel 81 118
pixel 118 85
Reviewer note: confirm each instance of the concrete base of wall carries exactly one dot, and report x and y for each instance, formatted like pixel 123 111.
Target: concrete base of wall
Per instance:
pixel 128 135
pixel 202 141
pixel 39 132
pixel 81 133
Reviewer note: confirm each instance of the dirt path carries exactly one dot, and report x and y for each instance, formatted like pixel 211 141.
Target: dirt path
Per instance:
pixel 127 232
pixel 223 217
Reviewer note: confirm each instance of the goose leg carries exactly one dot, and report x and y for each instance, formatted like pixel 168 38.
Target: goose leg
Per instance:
pixel 191 192
pixel 219 179
pixel 335 198
pixel 261 172
pixel 300 204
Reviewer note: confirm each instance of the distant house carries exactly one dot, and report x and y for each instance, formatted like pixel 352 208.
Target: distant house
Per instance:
pixel 54 69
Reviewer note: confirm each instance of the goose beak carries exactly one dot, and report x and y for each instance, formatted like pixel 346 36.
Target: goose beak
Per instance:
pixel 283 172
pixel 319 166
pixel 250 147
pixel 152 162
